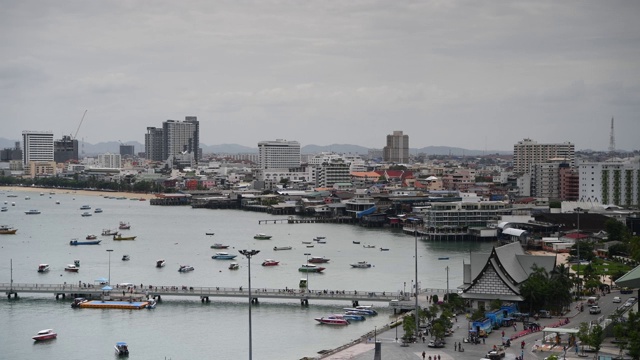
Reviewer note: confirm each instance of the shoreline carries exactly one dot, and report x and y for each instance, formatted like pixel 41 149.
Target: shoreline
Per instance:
pixel 47 190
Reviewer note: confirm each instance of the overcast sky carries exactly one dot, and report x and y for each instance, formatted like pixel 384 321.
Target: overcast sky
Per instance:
pixel 471 74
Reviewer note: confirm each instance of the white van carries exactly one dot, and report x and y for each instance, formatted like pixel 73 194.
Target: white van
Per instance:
pixel 592 300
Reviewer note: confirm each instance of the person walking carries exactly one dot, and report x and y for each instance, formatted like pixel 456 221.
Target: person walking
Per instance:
pixel 423 355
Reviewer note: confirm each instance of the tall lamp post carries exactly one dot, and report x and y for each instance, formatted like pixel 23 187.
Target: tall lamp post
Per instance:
pixel 307 254
pixel 109 278
pixel 416 268
pixel 249 254
pixel 447 268
pixel 578 210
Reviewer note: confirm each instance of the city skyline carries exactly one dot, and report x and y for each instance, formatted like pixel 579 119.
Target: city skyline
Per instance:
pixel 479 76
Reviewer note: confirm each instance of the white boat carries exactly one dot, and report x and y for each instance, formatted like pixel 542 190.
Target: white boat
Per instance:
pixel 86 213
pixel 262 236
pixel 276 248
pixel 361 265
pixel 234 266
pixel 85 207
pixel 109 232
pixel 4 208
pixel 223 256
pixel 46 334
pixel 332 320
pixel 185 268
pixel 122 349
pixel 97 210
pixel 32 212
pixel 42 268
pixel 160 263
pixel 71 268
pixel 27 198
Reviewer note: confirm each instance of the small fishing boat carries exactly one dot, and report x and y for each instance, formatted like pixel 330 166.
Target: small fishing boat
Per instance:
pixel 42 268
pixel 160 263
pixel 310 268
pixel 262 236
pixel 30 212
pixel 97 210
pixel 384 249
pixel 91 237
pixel 124 226
pixel 306 242
pixel 443 258
pixel 369 246
pixel 361 265
pixel 356 242
pixel 270 262
pixel 109 232
pixel 318 260
pixel 219 246
pixel 185 268
pixel 120 237
pixel 309 246
pixel 223 256
pixel 4 208
pixel 85 207
pixel 6 230
pixel 234 266
pixel 86 214
pixel 46 334
pixel 276 248
pixel 151 304
pixel 71 268
pixel 209 233
pixel 122 349
pixel 125 258
pixel 75 242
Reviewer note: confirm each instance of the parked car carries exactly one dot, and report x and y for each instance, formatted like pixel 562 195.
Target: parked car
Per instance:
pixel 544 314
pixel 617 299
pixel 594 310
pixel 435 344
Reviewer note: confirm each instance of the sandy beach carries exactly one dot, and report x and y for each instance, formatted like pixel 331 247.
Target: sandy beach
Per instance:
pixel 128 195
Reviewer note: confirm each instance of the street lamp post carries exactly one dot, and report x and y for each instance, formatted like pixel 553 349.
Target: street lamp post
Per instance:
pixel 249 254
pixel 307 254
pixel 416 268
pixel 447 296
pixel 578 210
pixel 109 278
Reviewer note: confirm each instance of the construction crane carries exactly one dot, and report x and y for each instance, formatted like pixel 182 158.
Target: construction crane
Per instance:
pixel 78 129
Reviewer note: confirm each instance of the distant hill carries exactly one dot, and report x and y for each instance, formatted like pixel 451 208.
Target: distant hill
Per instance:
pixel 114 148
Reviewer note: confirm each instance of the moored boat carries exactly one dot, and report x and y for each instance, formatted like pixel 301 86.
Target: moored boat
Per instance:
pixel 71 268
pixel 219 246
pixel 276 248
pixel 234 266
pixel 223 256
pixel 85 207
pixel 361 265
pixel 86 242
pixel 185 268
pixel 86 214
pixel 97 210
pixel 160 263
pixel 126 258
pixel 384 249
pixel 4 208
pixel 356 242
pixel 351 316
pixel 369 246
pixel 124 225
pixel 362 310
pixel 332 320
pixel 310 268
pixel 122 349
pixel 91 237
pixel 318 260
pixel 270 262
pixel 32 212
pixel 109 232
pixel 120 237
pixel 262 236
pixel 42 268
pixel 209 233
pixel 46 334
pixel 7 230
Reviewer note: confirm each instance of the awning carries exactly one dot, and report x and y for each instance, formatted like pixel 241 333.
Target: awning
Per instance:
pixel 107 288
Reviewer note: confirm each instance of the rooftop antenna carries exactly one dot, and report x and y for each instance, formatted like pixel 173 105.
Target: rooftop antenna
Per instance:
pixel 612 139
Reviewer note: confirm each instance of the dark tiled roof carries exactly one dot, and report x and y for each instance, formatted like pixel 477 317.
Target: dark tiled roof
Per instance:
pixel 588 222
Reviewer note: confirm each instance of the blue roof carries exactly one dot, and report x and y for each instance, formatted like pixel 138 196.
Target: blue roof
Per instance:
pixel 121 343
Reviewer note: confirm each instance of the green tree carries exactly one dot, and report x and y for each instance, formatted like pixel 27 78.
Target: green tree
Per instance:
pixel 616 230
pixel 409 327
pixel 495 304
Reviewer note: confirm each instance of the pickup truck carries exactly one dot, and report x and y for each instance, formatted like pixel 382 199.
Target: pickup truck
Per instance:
pixel 594 310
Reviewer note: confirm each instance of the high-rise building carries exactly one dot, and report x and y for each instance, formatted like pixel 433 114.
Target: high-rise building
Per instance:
pixel 180 137
pixel 111 161
pixel 397 149
pixel 14 153
pixel 196 135
pixel 279 154
pixel 331 172
pixel 65 149
pixel 37 146
pixel 153 141
pixel 615 183
pixel 127 150
pixel 528 152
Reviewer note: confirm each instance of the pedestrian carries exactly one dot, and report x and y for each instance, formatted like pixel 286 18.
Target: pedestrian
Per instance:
pixel 429 357
pixel 522 345
pixel 455 346
pixel 424 339
pixel 423 355
pixel 502 333
pixel 438 357
pixel 482 341
pixel 515 327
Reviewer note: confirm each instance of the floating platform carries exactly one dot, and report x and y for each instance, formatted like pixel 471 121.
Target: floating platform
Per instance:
pixel 99 304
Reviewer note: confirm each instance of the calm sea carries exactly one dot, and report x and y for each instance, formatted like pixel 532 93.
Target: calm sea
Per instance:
pixel 184 328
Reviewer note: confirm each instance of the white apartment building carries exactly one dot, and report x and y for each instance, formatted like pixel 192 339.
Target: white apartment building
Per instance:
pixel 615 182
pixel 110 161
pixel 37 146
pixel 180 137
pixel 528 152
pixel 279 154
pixel 332 172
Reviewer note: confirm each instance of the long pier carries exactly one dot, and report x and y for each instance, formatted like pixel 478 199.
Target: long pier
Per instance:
pixel 205 293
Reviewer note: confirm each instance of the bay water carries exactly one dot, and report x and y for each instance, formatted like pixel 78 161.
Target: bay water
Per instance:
pixel 185 328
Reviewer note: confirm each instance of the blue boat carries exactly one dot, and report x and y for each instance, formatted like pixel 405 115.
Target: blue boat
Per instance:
pixel 223 256
pixel 353 316
pixel 86 242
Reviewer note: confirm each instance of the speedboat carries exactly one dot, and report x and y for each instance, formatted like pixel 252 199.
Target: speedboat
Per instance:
pixel 223 256
pixel 87 242
pixel 353 316
pixel 32 212
pixel 219 246
pixel 91 237
pixel 276 248
pixel 310 268
pixel 125 258
pixel 122 349
pixel 270 262
pixel 6 230
pixel 77 301
pixel 4 208
pixel 151 304
pixel 46 334
pixel 234 266
pixel 332 320
pixel 42 268
pixel 362 309
pixel 384 249
pixel 369 246
pixel 71 268
pixel 86 213
pixel 262 236
pixel 318 260
pixel 356 242
pixel 185 268
pixel 85 207
pixel 361 265
pixel 209 233
pixel 160 263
